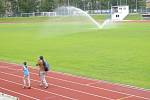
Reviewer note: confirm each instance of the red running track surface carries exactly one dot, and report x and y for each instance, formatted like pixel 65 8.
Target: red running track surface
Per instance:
pixel 64 87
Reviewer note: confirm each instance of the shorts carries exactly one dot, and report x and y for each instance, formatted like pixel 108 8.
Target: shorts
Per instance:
pixel 26 76
pixel 42 75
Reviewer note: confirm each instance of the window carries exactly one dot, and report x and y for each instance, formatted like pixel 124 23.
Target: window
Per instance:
pixel 117 16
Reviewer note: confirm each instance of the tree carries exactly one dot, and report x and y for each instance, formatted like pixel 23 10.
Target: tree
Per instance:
pixel 14 6
pixel 2 9
pixel 28 6
pixel 47 5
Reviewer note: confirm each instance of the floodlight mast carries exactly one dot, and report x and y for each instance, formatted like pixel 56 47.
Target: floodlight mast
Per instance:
pixel 68 6
pixel 68 3
pixel 136 6
pixel 126 2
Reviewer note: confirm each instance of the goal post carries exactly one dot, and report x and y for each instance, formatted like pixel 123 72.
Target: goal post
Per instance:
pixel 48 13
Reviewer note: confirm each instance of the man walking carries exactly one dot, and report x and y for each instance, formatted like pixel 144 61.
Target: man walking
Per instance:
pixel 42 72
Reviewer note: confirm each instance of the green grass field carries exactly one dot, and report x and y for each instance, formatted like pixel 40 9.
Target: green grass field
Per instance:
pixel 117 54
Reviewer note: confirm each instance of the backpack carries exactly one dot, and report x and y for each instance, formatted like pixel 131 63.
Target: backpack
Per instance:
pixel 46 66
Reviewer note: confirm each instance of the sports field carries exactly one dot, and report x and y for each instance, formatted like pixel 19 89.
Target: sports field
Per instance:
pixel 117 54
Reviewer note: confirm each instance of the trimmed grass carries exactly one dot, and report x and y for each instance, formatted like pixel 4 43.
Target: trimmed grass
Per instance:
pixel 119 54
pixel 134 17
pixel 101 17
pixel 23 19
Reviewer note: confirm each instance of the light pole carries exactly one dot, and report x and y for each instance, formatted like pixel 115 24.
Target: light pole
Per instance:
pixel 120 2
pixel 68 3
pixel 136 6
pixel 117 2
pixel 68 8
pixel 84 3
pixel 108 5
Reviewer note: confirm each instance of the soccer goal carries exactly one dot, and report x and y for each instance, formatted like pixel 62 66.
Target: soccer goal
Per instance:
pixel 48 13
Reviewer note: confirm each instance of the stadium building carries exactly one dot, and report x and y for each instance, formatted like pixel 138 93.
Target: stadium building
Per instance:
pixel 148 3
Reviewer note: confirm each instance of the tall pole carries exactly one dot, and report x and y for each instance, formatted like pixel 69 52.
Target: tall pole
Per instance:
pixel 83 4
pixel 68 3
pixel 120 2
pixel 117 2
pixel 100 7
pixel 68 8
pixel 126 2
pixel 108 5
pixel 136 5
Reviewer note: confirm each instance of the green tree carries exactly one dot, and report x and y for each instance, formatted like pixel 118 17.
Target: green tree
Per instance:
pixel 28 5
pixel 47 5
pixel 2 8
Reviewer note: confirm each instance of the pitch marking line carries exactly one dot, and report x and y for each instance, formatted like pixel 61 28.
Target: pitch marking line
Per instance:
pixel 18 93
pixel 39 89
pixel 91 86
pixel 63 87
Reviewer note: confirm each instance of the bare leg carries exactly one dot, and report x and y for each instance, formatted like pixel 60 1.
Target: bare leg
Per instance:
pixel 24 82
pixel 41 79
pixel 45 82
pixel 29 83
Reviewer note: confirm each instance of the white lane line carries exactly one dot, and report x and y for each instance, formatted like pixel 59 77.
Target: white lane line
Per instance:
pixel 64 87
pixel 117 84
pixel 39 89
pixel 92 83
pixel 85 78
pixel 125 97
pixel 90 86
pixel 19 93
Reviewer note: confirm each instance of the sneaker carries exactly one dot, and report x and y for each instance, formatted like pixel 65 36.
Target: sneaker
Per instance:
pixel 29 87
pixel 41 85
pixel 23 87
pixel 45 87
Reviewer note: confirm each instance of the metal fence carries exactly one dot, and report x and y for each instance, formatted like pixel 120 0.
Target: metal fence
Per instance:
pixel 91 12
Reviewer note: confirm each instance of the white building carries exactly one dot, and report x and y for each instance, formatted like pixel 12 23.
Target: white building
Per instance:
pixel 118 13
pixel 147 3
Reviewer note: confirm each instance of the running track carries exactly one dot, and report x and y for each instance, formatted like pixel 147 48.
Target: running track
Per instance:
pixel 65 87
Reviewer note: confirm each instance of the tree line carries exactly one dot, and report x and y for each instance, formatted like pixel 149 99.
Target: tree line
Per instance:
pixel 27 6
